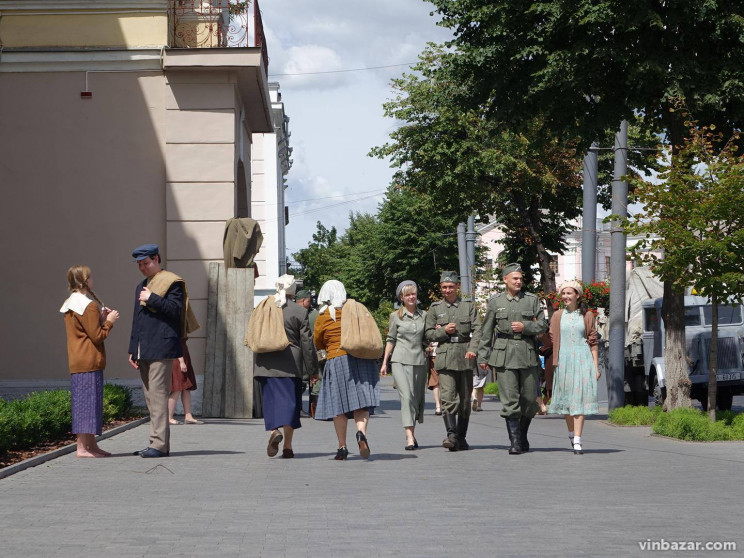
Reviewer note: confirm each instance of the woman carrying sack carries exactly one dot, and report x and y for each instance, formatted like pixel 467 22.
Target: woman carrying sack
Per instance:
pixel 351 385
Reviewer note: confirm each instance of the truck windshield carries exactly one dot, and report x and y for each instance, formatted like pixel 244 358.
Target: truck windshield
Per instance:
pixel 692 316
pixel 727 314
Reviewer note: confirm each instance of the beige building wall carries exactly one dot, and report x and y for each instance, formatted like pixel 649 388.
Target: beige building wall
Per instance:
pixel 201 155
pixel 83 182
pixel 99 23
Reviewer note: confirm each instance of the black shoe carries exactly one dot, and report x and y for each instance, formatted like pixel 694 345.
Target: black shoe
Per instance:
pixel 515 436
pixel 450 423
pixel 341 454
pixel 410 447
pixel 152 452
pixel 524 426
pixel 140 452
pixel 462 432
pixel 363 445
pixel 415 442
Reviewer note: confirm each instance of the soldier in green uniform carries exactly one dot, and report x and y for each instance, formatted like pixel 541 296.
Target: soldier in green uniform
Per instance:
pixel 517 318
pixel 455 325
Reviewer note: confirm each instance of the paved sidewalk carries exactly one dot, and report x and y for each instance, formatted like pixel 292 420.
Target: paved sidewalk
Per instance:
pixel 219 495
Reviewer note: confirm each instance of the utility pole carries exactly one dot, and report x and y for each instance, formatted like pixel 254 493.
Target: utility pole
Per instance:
pixel 588 233
pixel 470 253
pixel 616 375
pixel 463 256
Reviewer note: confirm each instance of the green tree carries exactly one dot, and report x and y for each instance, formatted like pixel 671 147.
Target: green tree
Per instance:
pixel 696 211
pixel 467 163
pixel 583 66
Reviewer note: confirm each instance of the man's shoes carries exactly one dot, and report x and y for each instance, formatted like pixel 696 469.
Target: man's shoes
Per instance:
pixel 152 452
pixel 140 452
pixel 274 440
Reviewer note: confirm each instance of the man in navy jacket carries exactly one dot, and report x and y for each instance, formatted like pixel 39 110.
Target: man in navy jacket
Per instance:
pixel 155 343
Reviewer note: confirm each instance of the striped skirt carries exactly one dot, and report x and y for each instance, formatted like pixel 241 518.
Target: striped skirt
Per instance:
pixel 86 390
pixel 349 384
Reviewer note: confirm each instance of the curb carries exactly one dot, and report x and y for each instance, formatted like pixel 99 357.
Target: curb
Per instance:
pixel 59 452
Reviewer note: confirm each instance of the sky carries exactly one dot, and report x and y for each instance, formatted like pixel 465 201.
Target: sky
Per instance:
pixel 336 118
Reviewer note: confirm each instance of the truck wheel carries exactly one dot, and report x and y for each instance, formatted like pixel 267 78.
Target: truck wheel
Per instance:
pixel 659 393
pixel 724 399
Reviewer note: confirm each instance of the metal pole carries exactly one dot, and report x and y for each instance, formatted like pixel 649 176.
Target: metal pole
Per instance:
pixel 588 233
pixel 616 375
pixel 462 252
pixel 470 252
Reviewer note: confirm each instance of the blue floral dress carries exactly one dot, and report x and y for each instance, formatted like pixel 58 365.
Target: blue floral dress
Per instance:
pixel 575 380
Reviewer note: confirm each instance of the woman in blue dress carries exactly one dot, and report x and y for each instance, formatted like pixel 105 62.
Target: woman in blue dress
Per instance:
pixel 575 356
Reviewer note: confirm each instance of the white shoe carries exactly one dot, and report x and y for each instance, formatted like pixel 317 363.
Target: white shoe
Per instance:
pixel 577 449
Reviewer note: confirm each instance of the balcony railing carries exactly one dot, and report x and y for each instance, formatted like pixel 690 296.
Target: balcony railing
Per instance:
pixel 217 24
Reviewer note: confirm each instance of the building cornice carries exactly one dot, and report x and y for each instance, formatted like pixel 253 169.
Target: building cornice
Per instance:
pixel 81 60
pixel 75 7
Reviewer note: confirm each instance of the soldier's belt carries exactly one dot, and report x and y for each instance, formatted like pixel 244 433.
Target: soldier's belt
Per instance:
pixel 514 336
pixel 458 339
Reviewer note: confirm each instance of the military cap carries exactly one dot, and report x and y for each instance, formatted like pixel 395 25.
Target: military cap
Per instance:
pixel 510 268
pixel 304 293
pixel 145 251
pixel 449 277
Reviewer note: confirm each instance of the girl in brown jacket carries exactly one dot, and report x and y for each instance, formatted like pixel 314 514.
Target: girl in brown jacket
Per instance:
pixel 88 322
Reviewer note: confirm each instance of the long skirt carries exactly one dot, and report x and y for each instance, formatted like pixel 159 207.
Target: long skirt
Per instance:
pixel 349 384
pixel 282 401
pixel 411 381
pixel 86 391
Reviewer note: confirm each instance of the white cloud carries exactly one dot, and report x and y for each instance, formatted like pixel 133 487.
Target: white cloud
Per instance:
pixel 313 61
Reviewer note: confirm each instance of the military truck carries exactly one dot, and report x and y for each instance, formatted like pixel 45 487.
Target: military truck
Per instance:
pixel 645 339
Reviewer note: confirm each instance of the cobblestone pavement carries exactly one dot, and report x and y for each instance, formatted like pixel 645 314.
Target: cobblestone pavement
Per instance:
pixel 219 495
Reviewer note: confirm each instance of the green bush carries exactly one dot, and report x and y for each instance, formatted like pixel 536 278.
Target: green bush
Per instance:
pixel 491 388
pixel 47 416
pixel 694 425
pixel 632 415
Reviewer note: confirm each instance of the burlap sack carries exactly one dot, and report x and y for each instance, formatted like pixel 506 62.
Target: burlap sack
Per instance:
pixel 266 332
pixel 360 336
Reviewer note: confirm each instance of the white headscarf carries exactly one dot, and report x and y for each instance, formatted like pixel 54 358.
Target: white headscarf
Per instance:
pixel 285 285
pixel 332 295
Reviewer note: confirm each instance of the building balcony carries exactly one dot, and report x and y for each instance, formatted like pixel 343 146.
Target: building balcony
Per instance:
pixel 217 24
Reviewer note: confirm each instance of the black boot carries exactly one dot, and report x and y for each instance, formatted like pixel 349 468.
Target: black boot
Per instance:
pixel 462 432
pixel 450 423
pixel 515 436
pixel 524 426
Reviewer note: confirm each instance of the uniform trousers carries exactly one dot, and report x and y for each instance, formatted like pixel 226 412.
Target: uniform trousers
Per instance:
pixel 156 380
pixel 411 382
pixel 456 388
pixel 517 391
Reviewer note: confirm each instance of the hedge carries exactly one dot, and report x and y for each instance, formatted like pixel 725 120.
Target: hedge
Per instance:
pixel 46 416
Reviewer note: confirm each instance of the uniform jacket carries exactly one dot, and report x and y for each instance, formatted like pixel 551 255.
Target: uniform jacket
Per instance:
pixel 156 327
pixel 510 350
pixel 298 360
pixel 407 334
pixel 451 349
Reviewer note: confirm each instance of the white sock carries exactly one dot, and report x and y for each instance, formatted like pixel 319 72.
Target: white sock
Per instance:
pixel 571 436
pixel 577 440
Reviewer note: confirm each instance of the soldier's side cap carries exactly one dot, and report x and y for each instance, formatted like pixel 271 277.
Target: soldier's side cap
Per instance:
pixel 449 277
pixel 510 268
pixel 145 251
pixel 304 293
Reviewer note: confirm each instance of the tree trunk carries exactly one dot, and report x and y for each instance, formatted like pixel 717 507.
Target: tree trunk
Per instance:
pixel 675 349
pixel 713 363
pixel 673 307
